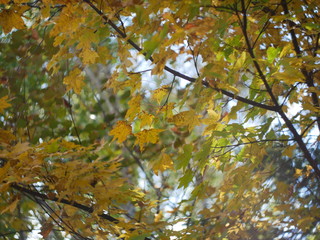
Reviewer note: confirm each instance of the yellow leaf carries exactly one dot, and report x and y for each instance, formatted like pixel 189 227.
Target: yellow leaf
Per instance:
pixel 146 119
pixel 45 11
pixel 9 19
pixel 290 76
pixel 88 56
pixel 186 118
pixel 4 103
pixel 160 93
pixel 305 223
pixel 299 172
pixel 121 131
pixel 147 136
pixel 104 54
pixel 19 148
pixel 286 49
pixel 158 217
pixel 134 107
pixel 167 109
pixel 134 82
pixel 74 80
pixel 163 163
pixel 4 171
pixel 86 37
pixel 289 150
pixel 309 170
pixel 11 207
pixel 241 60
pixel 213 117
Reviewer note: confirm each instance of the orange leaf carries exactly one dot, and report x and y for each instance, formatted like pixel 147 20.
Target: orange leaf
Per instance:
pixel 46 228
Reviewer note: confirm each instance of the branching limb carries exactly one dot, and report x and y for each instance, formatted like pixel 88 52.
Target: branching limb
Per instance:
pixel 169 93
pixel 44 197
pixel 174 72
pixel 64 201
pixel 298 138
pixel 253 142
pixel 296 46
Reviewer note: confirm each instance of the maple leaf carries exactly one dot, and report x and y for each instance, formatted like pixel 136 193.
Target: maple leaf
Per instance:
pixel 4 103
pixel 74 80
pixel 121 131
pixel 167 110
pixel 6 136
pixel 163 163
pixel 88 56
pixel 235 66
pixel 160 93
pixel 11 18
pixel 134 107
pixel 146 119
pixel 186 118
pixel 12 206
pixel 46 228
pixel 147 136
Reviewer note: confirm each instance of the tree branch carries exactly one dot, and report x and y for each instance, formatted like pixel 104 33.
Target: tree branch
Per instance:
pixel 64 201
pixel 243 25
pixel 296 46
pixel 298 138
pixel 253 142
pixel 174 72
pixel 87 209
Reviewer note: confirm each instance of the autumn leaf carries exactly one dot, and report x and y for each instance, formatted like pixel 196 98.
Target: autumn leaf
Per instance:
pixel 6 136
pixel 160 93
pixel 4 103
pixel 186 118
pixel 12 206
pixel 88 56
pixel 11 18
pixel 158 216
pixel 134 107
pixel 121 131
pixel 74 80
pixel 46 228
pixel 146 119
pixel 289 150
pixel 163 163
pixel 147 136
pixel 214 133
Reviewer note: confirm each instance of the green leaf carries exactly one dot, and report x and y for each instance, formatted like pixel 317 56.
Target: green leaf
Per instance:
pixel 183 159
pixel 272 53
pixel 186 179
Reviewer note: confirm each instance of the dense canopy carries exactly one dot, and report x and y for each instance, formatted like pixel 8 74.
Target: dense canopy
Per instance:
pixel 148 119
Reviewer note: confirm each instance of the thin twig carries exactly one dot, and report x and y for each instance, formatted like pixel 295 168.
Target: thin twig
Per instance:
pixel 253 142
pixel 174 72
pixel 72 119
pixel 307 128
pixel 169 93
pixel 194 59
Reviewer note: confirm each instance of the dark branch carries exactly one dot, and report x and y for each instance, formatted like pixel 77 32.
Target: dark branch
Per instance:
pixel 296 46
pixel 298 138
pixel 82 207
pixel 253 142
pixel 64 201
pixel 174 72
